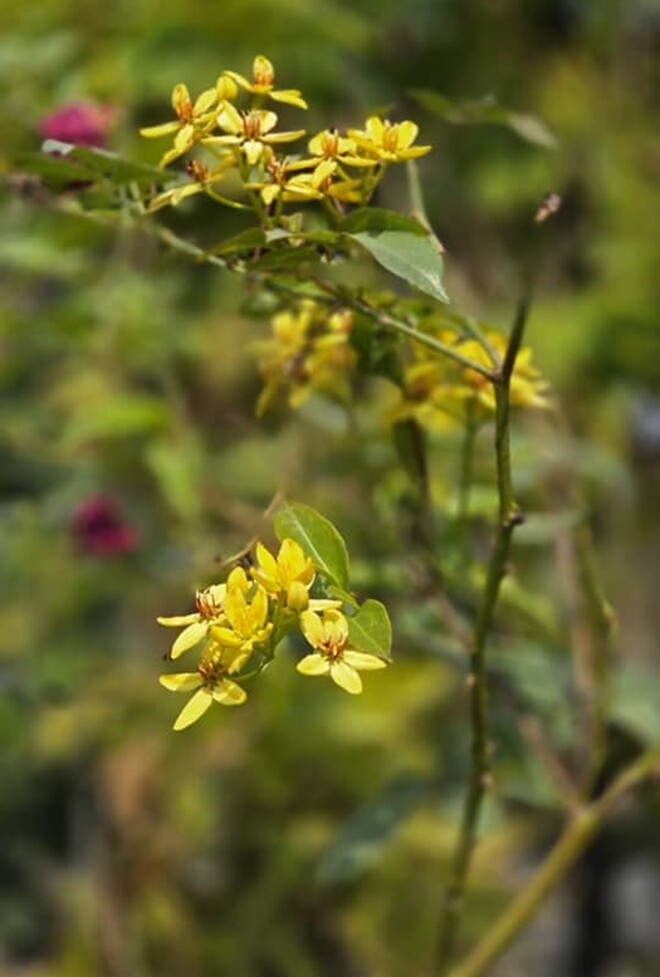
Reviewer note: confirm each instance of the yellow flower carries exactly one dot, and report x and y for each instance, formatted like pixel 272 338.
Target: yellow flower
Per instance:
pixel 209 684
pixel 249 130
pixel 328 635
pixel 246 614
pixel 320 183
pixel 263 80
pixel 310 350
pixel 387 141
pixel 210 607
pixel 329 145
pixel 279 575
pixel 528 388
pixel 203 179
pixel 194 121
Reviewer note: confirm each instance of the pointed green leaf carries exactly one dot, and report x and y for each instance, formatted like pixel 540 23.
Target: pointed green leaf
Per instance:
pixel 407 255
pixel 370 629
pixel 64 162
pixel 247 240
pixel 318 538
pixel 380 219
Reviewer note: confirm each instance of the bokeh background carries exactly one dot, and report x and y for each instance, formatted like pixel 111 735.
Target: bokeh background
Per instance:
pixel 307 834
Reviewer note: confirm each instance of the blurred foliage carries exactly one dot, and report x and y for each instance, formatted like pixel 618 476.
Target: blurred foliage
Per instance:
pixel 308 835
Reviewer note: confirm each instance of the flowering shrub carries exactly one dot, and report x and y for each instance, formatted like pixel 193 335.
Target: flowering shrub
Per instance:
pixel 309 217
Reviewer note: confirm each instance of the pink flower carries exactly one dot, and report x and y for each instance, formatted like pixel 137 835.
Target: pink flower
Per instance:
pixel 82 123
pixel 99 530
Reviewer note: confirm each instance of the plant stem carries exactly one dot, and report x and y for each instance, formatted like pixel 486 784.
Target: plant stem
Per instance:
pixel 480 775
pixel 579 832
pixel 329 294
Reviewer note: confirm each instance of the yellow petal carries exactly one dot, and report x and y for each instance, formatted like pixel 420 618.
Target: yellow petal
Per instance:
pixel 406 134
pixel 205 101
pixel 358 659
pixel 180 98
pixel 242 81
pixel 179 621
pixel 267 562
pixel 225 636
pixel 181 681
pixel 188 638
pixel 289 96
pixel 230 120
pixel 253 150
pixel 275 137
pixel 313 665
pixel 414 152
pixel 374 129
pixel 193 710
pixel 184 138
pixel 229 693
pixel 312 627
pixel 269 193
pixel 171 155
pixel 152 132
pixel 346 677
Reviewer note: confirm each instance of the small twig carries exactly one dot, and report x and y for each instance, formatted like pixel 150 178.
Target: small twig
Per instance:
pixel 480 775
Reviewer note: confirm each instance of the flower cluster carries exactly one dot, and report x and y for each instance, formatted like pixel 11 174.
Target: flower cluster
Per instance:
pixel 239 624
pixel 309 350
pixel 338 167
pixel 438 391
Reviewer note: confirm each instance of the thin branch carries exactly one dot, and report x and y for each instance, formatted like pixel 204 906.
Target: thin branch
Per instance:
pixel 480 775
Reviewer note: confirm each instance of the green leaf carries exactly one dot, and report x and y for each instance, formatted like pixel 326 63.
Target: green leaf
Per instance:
pixel 379 219
pixel 64 162
pixel 318 538
pixel 635 703
pixel 486 111
pixel 370 630
pixel 247 240
pixel 286 257
pixel 362 840
pixel 407 255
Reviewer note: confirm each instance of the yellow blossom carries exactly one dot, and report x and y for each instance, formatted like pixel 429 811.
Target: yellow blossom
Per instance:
pixel 251 130
pixel 277 574
pixel 263 83
pixel 320 183
pixel 310 350
pixel 203 180
pixel 329 145
pixel 194 121
pixel 528 388
pixel 246 614
pixel 437 391
pixel 210 607
pixel 387 141
pixel 328 635
pixel 210 683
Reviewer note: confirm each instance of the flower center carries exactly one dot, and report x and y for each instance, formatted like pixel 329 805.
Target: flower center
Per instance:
pixel 251 125
pixel 206 604
pixel 330 144
pixel 390 138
